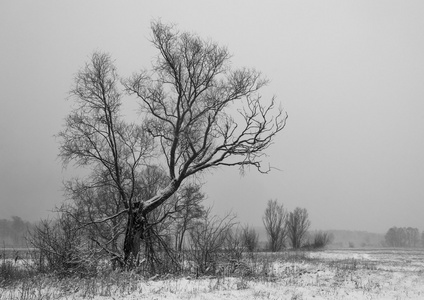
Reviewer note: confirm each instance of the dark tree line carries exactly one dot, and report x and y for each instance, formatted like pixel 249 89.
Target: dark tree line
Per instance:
pixel 404 237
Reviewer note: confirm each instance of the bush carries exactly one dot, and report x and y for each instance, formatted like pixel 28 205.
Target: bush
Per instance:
pixel 250 239
pixel 12 268
pixel 212 241
pixel 10 272
pixel 319 240
pixel 322 239
pixel 61 248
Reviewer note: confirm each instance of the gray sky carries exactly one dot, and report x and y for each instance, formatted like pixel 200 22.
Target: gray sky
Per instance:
pixel 349 74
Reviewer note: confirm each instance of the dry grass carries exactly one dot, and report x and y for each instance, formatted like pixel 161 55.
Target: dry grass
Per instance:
pixel 332 274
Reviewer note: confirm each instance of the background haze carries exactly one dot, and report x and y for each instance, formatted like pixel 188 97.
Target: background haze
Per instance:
pixel 349 74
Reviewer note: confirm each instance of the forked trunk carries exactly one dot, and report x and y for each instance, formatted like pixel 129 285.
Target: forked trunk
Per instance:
pixel 137 223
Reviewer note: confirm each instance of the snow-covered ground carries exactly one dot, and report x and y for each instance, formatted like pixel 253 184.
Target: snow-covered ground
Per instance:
pixel 331 274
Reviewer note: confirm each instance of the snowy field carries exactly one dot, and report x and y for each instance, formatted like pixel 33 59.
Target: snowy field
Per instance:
pixel 330 274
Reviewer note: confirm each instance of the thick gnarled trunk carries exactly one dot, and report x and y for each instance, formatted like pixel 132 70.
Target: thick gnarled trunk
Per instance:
pixel 134 232
pixel 136 228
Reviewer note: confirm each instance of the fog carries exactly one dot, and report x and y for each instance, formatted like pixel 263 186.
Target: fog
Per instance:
pixel 348 73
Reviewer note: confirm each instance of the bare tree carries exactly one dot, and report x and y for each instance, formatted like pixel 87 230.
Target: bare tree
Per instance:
pixel 274 220
pixel 96 137
pixel 319 239
pixel 187 102
pixel 98 220
pixel 250 238
pixel 60 247
pixel 297 226
pixel 188 210
pixel 209 238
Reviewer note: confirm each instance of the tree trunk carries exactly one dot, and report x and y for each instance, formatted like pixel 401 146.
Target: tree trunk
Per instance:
pixel 137 222
pixel 181 240
pixel 133 235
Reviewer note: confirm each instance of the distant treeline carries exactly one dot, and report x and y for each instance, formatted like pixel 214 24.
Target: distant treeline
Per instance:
pixel 356 239
pixel 13 232
pixel 404 237
pixel 341 238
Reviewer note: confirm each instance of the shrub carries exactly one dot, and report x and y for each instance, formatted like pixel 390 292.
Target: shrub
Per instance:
pixel 209 241
pixel 322 239
pixel 250 239
pixel 319 240
pixel 61 248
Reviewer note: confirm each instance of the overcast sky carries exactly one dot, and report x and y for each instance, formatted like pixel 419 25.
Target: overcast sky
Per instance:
pixel 350 75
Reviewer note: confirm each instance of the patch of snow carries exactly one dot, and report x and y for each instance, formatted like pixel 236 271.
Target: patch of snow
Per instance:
pixel 334 274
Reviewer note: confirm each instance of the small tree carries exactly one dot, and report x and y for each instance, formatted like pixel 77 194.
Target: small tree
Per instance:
pixel 208 240
pixel 188 210
pixel 62 248
pixel 250 238
pixel 321 239
pixel 297 226
pixel 274 220
pixel 234 246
